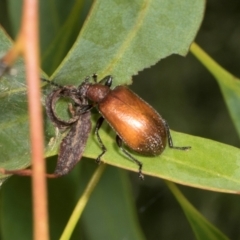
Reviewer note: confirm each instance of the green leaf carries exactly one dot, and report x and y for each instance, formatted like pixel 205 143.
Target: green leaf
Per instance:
pixel 200 226
pixel 229 84
pixel 208 165
pixel 14 131
pixel 122 38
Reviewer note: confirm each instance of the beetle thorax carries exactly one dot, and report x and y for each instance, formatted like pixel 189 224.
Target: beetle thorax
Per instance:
pixel 97 92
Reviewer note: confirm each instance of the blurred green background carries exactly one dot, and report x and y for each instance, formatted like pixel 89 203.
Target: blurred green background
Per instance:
pixel 188 97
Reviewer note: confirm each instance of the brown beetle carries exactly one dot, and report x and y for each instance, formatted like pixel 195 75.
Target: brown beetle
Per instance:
pixel 136 123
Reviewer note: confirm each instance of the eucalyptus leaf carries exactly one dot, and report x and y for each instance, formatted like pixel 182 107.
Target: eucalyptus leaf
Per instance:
pixel 14 141
pixel 208 165
pixel 122 38
pixel 228 83
pixel 201 227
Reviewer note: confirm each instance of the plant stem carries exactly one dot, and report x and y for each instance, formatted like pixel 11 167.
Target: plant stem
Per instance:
pixel 29 30
pixel 77 212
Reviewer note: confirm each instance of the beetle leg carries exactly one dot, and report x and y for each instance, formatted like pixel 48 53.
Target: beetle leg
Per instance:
pixel 98 125
pixel 170 142
pixel 120 145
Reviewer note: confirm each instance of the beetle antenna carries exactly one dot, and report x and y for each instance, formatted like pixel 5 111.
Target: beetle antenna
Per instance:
pixel 51 82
